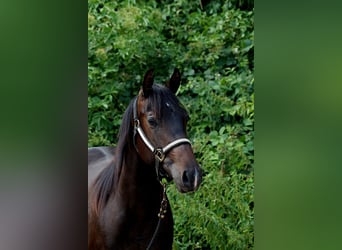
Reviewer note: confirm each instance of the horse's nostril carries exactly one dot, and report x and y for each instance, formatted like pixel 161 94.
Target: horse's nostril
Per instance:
pixel 185 178
pixel 188 178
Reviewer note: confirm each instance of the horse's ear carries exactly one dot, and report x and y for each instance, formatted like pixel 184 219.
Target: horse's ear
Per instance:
pixel 174 82
pixel 148 82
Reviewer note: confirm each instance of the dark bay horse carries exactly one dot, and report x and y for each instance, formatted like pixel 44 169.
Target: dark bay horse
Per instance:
pixel 127 202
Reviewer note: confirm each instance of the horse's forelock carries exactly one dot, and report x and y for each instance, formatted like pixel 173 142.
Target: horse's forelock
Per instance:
pixel 162 95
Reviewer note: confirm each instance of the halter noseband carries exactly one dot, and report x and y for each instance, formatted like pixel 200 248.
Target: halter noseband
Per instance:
pixel 159 153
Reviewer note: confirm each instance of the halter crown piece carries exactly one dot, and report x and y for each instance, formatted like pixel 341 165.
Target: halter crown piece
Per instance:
pixel 159 153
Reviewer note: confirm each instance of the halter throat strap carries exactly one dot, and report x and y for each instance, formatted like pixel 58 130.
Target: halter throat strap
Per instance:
pixel 159 153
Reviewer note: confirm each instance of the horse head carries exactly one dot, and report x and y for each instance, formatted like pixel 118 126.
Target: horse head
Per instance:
pixel 160 121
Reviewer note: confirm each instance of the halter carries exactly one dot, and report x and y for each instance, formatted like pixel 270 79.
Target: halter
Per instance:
pixel 159 156
pixel 159 153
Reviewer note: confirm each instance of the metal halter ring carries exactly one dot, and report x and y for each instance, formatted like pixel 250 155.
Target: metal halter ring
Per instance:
pixel 159 154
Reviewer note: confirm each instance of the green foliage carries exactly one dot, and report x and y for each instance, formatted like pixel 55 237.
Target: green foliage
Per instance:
pixel 213 45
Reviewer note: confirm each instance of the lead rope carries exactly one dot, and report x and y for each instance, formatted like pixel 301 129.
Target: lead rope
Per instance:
pixel 161 214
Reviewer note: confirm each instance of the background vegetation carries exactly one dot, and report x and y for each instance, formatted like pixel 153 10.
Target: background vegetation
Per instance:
pixel 212 43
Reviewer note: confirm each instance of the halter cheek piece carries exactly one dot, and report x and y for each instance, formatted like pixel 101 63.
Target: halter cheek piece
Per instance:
pixel 159 153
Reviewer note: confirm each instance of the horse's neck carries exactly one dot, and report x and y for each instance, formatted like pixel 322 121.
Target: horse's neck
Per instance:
pixel 131 214
pixel 137 187
pixel 135 202
pixel 139 179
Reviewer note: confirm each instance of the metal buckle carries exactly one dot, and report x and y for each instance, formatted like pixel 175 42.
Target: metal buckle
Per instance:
pixel 136 123
pixel 159 154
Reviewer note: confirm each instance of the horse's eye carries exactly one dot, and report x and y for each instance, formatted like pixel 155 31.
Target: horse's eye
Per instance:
pixel 152 122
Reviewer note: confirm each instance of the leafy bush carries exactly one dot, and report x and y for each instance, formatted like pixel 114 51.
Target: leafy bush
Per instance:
pixel 213 44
